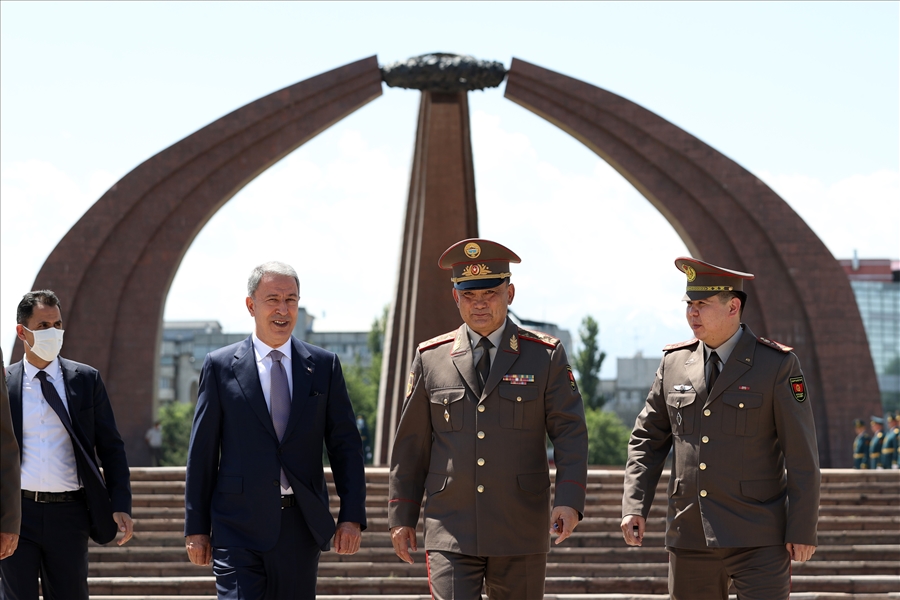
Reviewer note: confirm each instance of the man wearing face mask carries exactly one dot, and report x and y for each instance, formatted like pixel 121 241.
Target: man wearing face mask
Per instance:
pixel 63 423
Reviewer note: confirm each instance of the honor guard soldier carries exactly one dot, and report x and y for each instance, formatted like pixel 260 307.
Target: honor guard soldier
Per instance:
pixel 891 443
pixel 743 492
pixel 860 446
pixel 480 403
pixel 877 424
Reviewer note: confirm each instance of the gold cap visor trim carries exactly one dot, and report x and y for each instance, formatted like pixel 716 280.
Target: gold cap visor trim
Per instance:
pixel 710 288
pixel 486 276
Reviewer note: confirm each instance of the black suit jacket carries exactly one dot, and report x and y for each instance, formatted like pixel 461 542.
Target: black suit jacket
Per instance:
pixel 234 461
pixel 95 426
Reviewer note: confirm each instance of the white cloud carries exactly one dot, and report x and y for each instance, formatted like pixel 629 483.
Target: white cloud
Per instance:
pixel 333 211
pixel 861 212
pixel 39 203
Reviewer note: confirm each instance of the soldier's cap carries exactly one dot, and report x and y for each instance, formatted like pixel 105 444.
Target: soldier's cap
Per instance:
pixel 859 423
pixel 891 416
pixel 877 420
pixel 705 280
pixel 477 264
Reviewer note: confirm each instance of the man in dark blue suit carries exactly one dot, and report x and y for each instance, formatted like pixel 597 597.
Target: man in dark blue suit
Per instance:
pixel 63 422
pixel 256 503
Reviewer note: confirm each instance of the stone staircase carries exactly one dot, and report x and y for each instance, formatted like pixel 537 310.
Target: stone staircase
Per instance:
pixel 858 556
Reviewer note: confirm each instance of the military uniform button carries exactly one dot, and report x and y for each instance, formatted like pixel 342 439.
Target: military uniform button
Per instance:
pixel 705 439
pixel 703 493
pixel 480 462
pixel 446 401
pixel 480 435
pixel 707 412
pixel 741 405
pixel 702 466
pixel 481 408
pixel 518 398
pixel 480 489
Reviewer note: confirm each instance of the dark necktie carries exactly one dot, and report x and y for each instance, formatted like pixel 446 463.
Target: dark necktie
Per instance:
pixel 484 363
pixel 82 459
pixel 280 402
pixel 713 371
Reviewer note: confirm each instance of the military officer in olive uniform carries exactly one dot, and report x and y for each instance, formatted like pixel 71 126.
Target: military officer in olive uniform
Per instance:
pixel 891 443
pixel 877 424
pixel 744 486
pixel 860 446
pixel 479 405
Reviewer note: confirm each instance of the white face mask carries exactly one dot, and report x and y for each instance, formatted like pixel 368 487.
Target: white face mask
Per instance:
pixel 47 342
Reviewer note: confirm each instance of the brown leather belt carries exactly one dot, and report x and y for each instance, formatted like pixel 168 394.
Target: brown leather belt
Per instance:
pixel 288 501
pixel 48 497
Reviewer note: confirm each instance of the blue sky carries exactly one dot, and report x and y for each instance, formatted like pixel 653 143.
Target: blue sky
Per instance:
pixel 804 95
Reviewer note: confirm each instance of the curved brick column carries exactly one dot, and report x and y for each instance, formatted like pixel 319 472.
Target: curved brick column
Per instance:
pixel 440 210
pixel 113 269
pixel 727 216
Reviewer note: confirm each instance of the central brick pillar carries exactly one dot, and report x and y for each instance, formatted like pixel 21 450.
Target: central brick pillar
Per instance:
pixel 440 210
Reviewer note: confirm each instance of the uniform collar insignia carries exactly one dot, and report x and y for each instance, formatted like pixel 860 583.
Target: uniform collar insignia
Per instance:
pixel 514 343
pixel 457 344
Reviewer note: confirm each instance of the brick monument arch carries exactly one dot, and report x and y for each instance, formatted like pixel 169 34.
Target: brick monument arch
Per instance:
pixel 113 269
pixel 728 216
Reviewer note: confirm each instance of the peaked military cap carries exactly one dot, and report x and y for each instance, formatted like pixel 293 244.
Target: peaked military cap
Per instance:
pixel 705 280
pixel 859 423
pixel 877 420
pixel 477 264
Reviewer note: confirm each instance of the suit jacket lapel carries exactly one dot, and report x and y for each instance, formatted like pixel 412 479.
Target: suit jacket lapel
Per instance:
pixel 303 369
pixel 504 359
pixel 14 386
pixel 693 366
pixel 461 354
pixel 74 393
pixel 247 376
pixel 739 362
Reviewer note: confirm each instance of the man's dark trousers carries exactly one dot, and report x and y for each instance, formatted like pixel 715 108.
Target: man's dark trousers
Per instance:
pixel 53 543
pixel 289 570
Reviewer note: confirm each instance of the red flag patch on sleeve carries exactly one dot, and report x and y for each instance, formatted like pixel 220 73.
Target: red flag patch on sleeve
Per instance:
pixel 798 388
pixel 571 378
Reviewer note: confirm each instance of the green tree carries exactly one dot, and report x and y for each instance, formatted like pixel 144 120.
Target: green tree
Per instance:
pixel 363 381
pixel 588 361
pixel 176 419
pixel 607 438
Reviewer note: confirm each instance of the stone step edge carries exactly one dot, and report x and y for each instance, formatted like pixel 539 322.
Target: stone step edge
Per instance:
pixel 794 596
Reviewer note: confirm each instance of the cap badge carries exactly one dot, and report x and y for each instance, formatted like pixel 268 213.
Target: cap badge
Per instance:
pixel 690 272
pixel 476 270
pixel 514 343
pixel 473 250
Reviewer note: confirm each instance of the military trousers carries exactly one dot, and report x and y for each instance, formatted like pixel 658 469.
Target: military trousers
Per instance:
pixel 453 576
pixel 757 573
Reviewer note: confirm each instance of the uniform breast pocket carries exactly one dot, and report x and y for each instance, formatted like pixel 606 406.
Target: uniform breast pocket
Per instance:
pixel 682 411
pixel 448 409
pixel 518 406
pixel 740 413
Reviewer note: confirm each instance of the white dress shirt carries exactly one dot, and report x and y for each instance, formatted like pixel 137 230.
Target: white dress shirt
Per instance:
pixel 264 368
pixel 48 458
